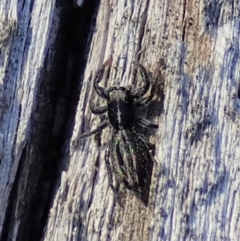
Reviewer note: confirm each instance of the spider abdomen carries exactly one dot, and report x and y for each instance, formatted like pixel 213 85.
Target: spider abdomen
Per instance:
pixel 132 161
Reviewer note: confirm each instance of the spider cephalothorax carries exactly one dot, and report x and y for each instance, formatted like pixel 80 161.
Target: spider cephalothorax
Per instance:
pixel 128 156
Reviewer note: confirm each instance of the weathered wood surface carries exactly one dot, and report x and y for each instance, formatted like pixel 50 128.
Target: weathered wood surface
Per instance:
pixel 193 47
pixel 197 194
pixel 25 37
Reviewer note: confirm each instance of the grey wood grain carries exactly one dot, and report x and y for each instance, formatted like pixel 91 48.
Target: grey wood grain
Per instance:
pixel 192 49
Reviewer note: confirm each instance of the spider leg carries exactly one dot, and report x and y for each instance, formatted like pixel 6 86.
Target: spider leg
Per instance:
pixel 139 92
pixel 145 123
pixel 144 101
pixel 100 90
pixel 102 126
pixel 109 169
pixel 150 146
pixel 98 110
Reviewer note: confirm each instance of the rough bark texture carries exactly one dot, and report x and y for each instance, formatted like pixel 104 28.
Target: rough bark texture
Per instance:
pixel 25 38
pixel 192 49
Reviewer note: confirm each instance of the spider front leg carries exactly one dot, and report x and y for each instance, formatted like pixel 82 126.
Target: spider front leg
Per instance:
pixel 139 92
pixel 97 110
pixel 100 90
pixel 144 101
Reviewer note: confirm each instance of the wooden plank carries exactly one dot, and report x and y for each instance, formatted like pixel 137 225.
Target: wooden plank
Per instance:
pixel 25 38
pixel 197 189
pixel 192 49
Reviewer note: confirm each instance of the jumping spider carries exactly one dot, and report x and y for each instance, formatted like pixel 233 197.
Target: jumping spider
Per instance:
pixel 128 149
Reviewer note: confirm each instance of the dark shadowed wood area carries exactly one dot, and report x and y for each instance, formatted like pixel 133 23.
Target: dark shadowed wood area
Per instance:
pixel 51 190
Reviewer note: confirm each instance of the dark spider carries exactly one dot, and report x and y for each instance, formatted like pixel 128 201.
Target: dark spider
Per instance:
pixel 128 149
